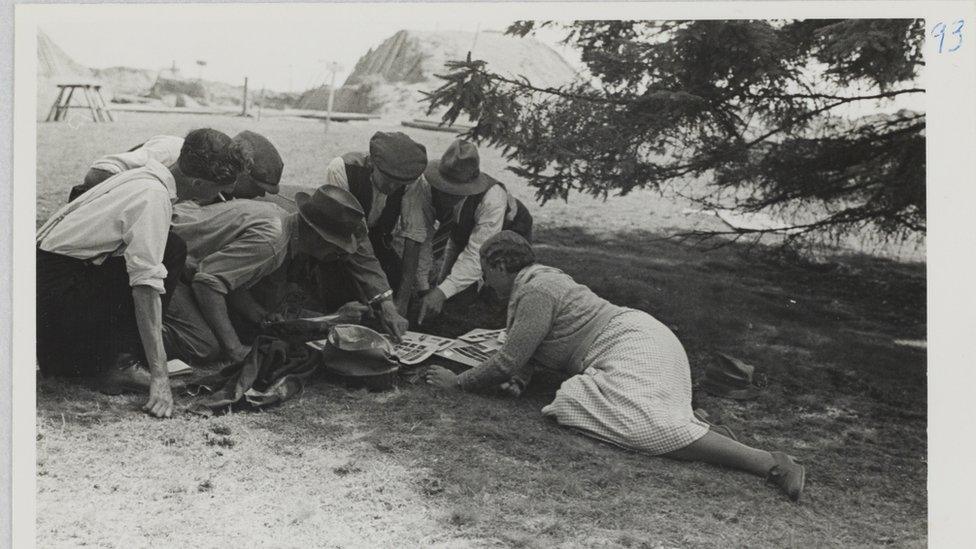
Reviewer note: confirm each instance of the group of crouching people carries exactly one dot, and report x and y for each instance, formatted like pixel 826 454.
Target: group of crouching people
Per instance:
pixel 183 248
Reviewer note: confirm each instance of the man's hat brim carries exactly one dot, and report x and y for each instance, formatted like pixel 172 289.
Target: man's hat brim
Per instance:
pixel 477 185
pixel 348 244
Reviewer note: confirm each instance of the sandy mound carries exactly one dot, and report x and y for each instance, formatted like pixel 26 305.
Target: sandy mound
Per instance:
pixel 132 85
pixel 389 80
pixel 125 81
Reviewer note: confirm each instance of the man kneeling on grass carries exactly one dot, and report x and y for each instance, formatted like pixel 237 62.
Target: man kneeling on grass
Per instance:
pixel 250 253
pixel 107 263
pixel 225 242
pixel 467 206
pixel 230 246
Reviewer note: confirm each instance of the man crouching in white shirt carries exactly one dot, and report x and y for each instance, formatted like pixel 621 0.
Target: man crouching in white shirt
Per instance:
pixel 107 262
pixel 471 207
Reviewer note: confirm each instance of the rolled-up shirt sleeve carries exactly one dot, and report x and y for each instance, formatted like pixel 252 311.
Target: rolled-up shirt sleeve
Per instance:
pixel 118 163
pixel 241 263
pixel 418 224
pixel 164 149
pixel 417 212
pixel 531 322
pixel 145 224
pixel 489 220
pixel 335 174
pixel 425 261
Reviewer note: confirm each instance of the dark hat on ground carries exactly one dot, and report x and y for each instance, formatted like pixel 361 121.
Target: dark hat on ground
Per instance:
pixel 266 164
pixel 361 356
pixel 397 156
pixel 458 172
pixel 335 214
pixel 731 378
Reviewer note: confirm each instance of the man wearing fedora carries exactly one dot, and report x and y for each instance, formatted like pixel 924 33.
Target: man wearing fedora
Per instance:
pixel 252 272
pixel 330 228
pixel 383 181
pixel 260 179
pixel 470 206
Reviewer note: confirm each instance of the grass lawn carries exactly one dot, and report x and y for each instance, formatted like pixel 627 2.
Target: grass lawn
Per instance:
pixel 413 467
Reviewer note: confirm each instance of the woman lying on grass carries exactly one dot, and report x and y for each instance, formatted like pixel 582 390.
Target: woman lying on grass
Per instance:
pixel 630 384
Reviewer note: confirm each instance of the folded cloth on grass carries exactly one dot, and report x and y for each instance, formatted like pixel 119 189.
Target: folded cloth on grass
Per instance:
pixel 272 372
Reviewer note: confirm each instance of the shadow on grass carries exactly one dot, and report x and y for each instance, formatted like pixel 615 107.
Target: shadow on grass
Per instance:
pixel 841 395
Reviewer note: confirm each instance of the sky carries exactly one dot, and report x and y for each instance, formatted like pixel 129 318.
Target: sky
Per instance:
pixel 282 48
pixel 289 47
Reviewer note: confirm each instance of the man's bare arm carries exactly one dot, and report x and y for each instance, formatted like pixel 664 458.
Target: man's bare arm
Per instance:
pixel 213 305
pixel 149 320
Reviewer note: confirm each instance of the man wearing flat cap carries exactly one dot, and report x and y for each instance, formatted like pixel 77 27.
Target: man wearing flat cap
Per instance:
pixel 383 182
pixel 469 206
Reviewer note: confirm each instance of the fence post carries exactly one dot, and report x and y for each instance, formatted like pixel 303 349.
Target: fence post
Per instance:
pixel 244 110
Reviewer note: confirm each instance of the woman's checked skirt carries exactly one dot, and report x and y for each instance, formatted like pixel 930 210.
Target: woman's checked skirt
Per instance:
pixel 635 391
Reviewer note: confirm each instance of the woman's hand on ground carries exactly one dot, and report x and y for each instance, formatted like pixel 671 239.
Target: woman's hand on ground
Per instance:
pixel 160 403
pixel 441 377
pixel 511 388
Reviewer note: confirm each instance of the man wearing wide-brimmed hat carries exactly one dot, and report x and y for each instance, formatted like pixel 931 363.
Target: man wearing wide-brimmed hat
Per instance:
pixel 262 178
pixel 330 227
pixel 383 183
pixel 327 228
pixel 470 206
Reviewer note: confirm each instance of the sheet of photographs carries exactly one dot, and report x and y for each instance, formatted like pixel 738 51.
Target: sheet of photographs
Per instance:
pixel 480 334
pixel 416 347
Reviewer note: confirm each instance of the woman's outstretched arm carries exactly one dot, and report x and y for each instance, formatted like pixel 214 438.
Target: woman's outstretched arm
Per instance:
pixel 534 313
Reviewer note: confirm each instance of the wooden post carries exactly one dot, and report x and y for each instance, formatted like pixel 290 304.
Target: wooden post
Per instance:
pixel 96 116
pixel 63 109
pixel 104 104
pixel 244 110
pixel 261 104
pixel 56 106
pixel 334 67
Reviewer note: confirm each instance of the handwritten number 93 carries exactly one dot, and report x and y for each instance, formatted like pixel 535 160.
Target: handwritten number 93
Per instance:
pixel 939 31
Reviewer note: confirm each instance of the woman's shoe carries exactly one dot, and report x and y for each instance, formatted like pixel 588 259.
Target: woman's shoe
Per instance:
pixel 788 475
